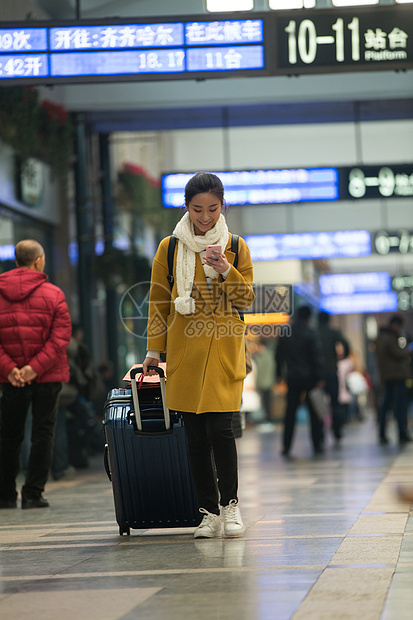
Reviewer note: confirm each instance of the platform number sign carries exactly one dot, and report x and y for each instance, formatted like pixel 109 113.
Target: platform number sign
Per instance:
pixel 384 181
pixel 344 41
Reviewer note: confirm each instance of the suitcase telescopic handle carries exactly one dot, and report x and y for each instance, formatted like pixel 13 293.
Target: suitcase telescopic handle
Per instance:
pixel 135 397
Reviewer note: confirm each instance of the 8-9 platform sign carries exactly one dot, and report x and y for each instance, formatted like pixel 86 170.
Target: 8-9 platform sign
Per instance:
pixel 331 41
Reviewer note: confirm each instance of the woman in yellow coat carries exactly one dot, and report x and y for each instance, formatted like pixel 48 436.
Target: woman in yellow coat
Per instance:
pixel 199 326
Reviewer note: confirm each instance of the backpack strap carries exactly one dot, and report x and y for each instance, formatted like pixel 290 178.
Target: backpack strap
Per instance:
pixel 234 248
pixel 171 253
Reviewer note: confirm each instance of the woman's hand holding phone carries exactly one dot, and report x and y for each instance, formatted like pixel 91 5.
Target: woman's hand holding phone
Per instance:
pixel 215 258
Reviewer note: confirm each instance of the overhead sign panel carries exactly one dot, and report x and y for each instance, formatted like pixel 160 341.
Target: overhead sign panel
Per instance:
pixel 360 303
pixel 132 50
pixel 347 243
pixel 350 283
pixel 356 39
pixel 270 44
pixel 257 187
pixel 384 181
pixel 295 185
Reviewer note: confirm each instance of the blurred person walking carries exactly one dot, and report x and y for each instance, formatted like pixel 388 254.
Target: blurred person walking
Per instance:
pixel 264 360
pixel 329 338
pixel 298 356
pixel 394 362
pixel 35 330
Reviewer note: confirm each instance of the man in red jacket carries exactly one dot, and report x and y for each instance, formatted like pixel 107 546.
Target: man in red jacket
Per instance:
pixel 35 329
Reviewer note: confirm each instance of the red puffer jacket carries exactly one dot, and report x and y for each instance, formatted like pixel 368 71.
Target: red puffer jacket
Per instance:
pixel 35 326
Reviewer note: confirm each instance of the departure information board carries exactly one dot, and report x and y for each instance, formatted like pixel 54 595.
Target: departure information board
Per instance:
pixel 257 187
pixel 124 51
pixel 295 185
pixel 335 244
pixel 195 47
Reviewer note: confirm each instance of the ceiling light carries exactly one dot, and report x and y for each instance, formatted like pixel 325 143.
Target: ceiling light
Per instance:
pixel 353 2
pixel 220 6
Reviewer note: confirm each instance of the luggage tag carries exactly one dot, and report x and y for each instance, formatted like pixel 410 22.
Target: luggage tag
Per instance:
pixel 137 384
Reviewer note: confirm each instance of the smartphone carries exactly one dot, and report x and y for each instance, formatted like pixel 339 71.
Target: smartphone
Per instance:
pixel 213 248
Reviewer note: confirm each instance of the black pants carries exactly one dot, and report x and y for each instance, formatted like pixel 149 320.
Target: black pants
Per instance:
pixel 395 397
pixel 266 398
pixel 337 415
pixel 295 390
pixel 14 405
pixel 213 458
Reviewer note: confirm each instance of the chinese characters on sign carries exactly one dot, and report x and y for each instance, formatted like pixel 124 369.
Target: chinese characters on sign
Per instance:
pixel 132 49
pixel 110 37
pixel 23 40
pixel 356 39
pixel 280 43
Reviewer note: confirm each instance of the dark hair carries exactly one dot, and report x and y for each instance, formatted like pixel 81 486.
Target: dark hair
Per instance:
pixel 202 183
pixel 27 251
pixel 323 318
pixel 304 313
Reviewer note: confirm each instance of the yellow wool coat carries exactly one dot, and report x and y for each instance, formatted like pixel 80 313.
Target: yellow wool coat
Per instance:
pixel 205 353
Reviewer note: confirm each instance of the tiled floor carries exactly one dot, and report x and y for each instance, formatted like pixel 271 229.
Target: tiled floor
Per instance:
pixel 326 539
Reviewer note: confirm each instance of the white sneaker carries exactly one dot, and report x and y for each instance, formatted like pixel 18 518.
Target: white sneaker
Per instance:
pixel 210 526
pixel 233 525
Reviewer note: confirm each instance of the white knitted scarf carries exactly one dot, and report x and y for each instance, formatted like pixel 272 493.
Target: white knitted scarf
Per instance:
pixel 189 244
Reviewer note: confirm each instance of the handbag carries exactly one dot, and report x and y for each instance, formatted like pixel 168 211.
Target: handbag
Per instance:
pixel 356 383
pixel 318 400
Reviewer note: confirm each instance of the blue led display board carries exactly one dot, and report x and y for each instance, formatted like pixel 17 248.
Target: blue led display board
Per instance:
pixel 132 50
pixel 350 283
pixel 360 303
pixel 279 43
pixel 336 244
pixel 256 187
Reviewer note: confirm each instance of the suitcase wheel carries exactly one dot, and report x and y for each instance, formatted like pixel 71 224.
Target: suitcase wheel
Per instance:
pixel 124 529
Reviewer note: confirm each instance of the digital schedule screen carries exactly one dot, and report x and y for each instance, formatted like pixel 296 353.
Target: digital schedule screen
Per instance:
pixel 131 50
pixel 257 187
pixel 350 283
pixel 360 303
pixel 336 244
pixel 270 43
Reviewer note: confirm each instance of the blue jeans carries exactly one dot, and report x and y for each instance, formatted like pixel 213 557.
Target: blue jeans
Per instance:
pixel 395 398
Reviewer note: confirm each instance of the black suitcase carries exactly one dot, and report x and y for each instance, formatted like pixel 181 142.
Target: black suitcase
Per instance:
pixel 146 458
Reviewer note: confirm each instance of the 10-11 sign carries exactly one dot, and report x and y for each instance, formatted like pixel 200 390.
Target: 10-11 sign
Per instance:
pixel 358 39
